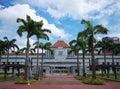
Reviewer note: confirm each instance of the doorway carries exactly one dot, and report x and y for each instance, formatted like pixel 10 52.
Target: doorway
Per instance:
pixel 60 70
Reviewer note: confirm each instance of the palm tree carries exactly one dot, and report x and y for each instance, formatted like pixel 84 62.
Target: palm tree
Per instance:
pixel 2 49
pixel 43 46
pixel 103 46
pixel 41 34
pixel 31 50
pixel 9 45
pixel 16 53
pixel 75 48
pixel 89 32
pixel 27 26
pixel 115 49
pixel 83 45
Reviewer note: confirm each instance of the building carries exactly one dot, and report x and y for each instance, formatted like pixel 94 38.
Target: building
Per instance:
pixel 60 62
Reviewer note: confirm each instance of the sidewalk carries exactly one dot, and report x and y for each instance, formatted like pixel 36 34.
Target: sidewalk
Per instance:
pixel 59 82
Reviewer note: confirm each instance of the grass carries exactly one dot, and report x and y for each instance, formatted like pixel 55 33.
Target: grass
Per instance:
pixel 78 77
pixel 111 76
pixel 7 77
pixel 93 81
pixel 23 81
pixel 89 80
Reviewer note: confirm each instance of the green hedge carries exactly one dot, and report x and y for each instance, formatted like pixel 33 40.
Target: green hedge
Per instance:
pixel 89 80
pixel 93 81
pixel 78 77
pixel 23 81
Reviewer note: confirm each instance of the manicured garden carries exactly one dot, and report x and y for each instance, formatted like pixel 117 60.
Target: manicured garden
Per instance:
pixel 111 76
pixel 89 80
pixel 100 80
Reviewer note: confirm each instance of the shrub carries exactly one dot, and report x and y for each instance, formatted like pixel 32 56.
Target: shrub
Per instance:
pixel 36 78
pixel 93 81
pixel 43 77
pixel 23 81
pixel 78 77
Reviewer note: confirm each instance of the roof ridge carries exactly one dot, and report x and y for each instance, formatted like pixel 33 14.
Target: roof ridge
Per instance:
pixel 60 43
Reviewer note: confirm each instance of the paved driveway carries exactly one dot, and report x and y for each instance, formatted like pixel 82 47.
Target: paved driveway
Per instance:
pixel 59 82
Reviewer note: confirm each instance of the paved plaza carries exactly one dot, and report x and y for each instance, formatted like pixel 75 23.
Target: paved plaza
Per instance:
pixel 58 82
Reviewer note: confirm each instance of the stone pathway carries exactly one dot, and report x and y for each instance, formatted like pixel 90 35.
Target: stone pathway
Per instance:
pixel 59 82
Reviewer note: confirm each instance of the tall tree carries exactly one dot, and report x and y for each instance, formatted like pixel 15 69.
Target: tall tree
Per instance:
pixel 83 46
pixel 41 34
pixel 43 46
pixel 10 45
pixel 103 46
pixel 2 49
pixel 114 48
pixel 75 48
pixel 16 52
pixel 89 32
pixel 27 26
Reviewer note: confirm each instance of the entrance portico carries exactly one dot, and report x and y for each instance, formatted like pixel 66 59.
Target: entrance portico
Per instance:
pixel 60 70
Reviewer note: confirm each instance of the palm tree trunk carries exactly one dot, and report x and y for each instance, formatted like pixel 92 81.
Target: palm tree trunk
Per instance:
pixel 16 59
pixel 0 58
pixel 27 60
pixel 37 59
pixel 7 56
pixel 105 61
pixel 42 64
pixel 78 67
pixel 93 60
pixel 113 59
pixel 93 66
pixel 105 58
pixel 84 74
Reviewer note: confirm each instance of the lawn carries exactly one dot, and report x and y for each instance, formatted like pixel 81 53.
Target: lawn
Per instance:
pixel 7 77
pixel 111 76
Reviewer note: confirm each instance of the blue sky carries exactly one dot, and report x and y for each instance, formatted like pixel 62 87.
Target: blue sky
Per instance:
pixel 62 17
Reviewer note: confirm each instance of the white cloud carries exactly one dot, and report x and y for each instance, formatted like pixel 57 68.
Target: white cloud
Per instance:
pixel 104 22
pixel 56 31
pixel 21 41
pixel 9 26
pixel 77 8
pixel 115 30
pixel 1 6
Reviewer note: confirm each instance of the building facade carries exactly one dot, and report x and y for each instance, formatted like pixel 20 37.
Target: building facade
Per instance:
pixel 60 62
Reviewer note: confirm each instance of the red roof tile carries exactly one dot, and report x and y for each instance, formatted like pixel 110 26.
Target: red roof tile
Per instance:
pixel 60 43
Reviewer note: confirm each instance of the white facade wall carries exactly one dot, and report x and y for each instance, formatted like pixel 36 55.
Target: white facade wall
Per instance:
pixel 60 59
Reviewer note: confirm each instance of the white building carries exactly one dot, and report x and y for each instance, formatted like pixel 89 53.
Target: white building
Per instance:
pixel 60 62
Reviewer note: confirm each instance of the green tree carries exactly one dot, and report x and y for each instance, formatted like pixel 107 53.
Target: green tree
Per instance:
pixel 75 48
pixel 2 49
pixel 89 32
pixel 27 26
pixel 41 34
pixel 43 46
pixel 83 46
pixel 9 45
pixel 114 48
pixel 103 46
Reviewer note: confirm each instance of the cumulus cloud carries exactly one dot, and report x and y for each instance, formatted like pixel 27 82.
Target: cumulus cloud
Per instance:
pixel 9 26
pixel 21 41
pixel 1 6
pixel 77 8
pixel 106 12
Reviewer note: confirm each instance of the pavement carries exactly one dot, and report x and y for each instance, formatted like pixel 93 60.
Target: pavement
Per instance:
pixel 58 82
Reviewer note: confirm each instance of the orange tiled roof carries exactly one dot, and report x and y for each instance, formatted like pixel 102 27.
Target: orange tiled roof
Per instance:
pixel 60 43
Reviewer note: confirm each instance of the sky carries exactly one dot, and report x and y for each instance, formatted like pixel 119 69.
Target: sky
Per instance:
pixel 62 17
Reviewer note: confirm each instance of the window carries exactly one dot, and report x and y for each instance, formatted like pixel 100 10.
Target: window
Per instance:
pixel 44 70
pixel 60 53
